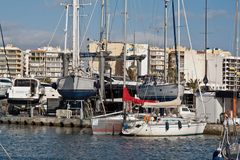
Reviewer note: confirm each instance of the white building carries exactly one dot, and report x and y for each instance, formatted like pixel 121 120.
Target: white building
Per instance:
pixel 11 62
pixel 194 67
pixel 45 63
pixel 156 61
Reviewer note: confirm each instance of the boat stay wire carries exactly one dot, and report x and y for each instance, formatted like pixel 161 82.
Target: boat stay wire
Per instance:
pixel 4 49
pixel 55 30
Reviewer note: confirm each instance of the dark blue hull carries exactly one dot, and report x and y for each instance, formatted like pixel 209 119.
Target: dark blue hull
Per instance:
pixel 76 94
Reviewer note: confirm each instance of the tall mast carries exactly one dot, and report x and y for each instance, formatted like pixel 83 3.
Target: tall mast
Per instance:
pixel 125 43
pixel 236 52
pixel 101 47
pixel 124 55
pixel 205 79
pixel 178 47
pixel 165 39
pixel 236 30
pixel 75 59
pixel 65 66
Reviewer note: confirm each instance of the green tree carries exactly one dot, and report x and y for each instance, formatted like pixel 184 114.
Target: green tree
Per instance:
pixel 193 84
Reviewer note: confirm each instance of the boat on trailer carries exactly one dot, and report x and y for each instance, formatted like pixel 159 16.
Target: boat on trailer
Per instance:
pixel 76 86
pixel 5 84
pixel 25 91
pixel 159 91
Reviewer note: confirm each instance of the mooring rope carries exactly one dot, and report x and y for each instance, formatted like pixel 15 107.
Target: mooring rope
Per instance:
pixel 5 152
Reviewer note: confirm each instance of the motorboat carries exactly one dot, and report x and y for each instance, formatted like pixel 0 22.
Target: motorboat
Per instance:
pixel 25 91
pixel 5 84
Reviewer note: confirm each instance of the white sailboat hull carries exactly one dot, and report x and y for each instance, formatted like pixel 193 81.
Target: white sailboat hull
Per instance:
pixel 142 128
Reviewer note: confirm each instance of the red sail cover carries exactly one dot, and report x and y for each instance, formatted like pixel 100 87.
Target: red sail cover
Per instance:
pixel 128 97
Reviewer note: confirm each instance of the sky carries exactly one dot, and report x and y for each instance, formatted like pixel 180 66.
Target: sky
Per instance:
pixel 31 24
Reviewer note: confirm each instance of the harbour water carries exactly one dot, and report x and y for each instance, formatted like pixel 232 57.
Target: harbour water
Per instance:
pixel 43 142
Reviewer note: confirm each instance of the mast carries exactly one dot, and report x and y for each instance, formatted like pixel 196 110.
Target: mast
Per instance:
pixel 165 40
pixel 65 66
pixel 4 49
pixel 236 30
pixel 178 48
pixel 236 52
pixel 205 79
pixel 125 43
pixel 102 46
pixel 75 34
pixel 124 55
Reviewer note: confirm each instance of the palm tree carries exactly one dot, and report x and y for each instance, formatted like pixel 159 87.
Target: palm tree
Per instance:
pixel 193 84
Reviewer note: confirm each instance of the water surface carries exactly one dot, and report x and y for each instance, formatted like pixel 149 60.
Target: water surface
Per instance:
pixel 41 142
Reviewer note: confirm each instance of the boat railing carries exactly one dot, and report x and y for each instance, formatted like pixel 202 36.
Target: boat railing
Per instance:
pixel 106 115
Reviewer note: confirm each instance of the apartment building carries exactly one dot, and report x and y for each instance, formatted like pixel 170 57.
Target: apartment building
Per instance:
pixel 231 73
pixel 172 64
pixel 218 70
pixel 156 63
pixel 45 62
pixel 11 63
pixel 116 49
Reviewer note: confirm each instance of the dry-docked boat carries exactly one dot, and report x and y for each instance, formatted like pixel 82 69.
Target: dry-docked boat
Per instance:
pixel 5 83
pixel 25 91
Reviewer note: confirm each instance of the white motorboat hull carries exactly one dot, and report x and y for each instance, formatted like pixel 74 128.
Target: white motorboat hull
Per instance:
pixel 5 84
pixel 25 91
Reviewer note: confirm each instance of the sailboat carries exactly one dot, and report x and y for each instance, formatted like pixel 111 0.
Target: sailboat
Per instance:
pixel 111 124
pixel 106 124
pixel 75 86
pixel 155 124
pixel 152 89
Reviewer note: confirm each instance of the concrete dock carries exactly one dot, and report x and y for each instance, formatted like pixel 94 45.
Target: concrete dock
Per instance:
pixel 217 129
pixel 46 121
pixel 211 129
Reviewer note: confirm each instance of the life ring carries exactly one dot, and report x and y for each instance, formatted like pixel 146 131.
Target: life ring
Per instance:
pixel 167 126
pixel 179 124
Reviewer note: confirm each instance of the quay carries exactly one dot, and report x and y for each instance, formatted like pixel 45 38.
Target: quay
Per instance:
pixel 211 129
pixel 217 129
pixel 46 121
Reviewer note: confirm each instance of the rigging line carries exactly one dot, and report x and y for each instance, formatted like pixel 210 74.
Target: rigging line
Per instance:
pixel 84 36
pixel 56 28
pixel 132 27
pixel 5 152
pixel 4 49
pixel 186 22
pixel 194 64
pixel 113 18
